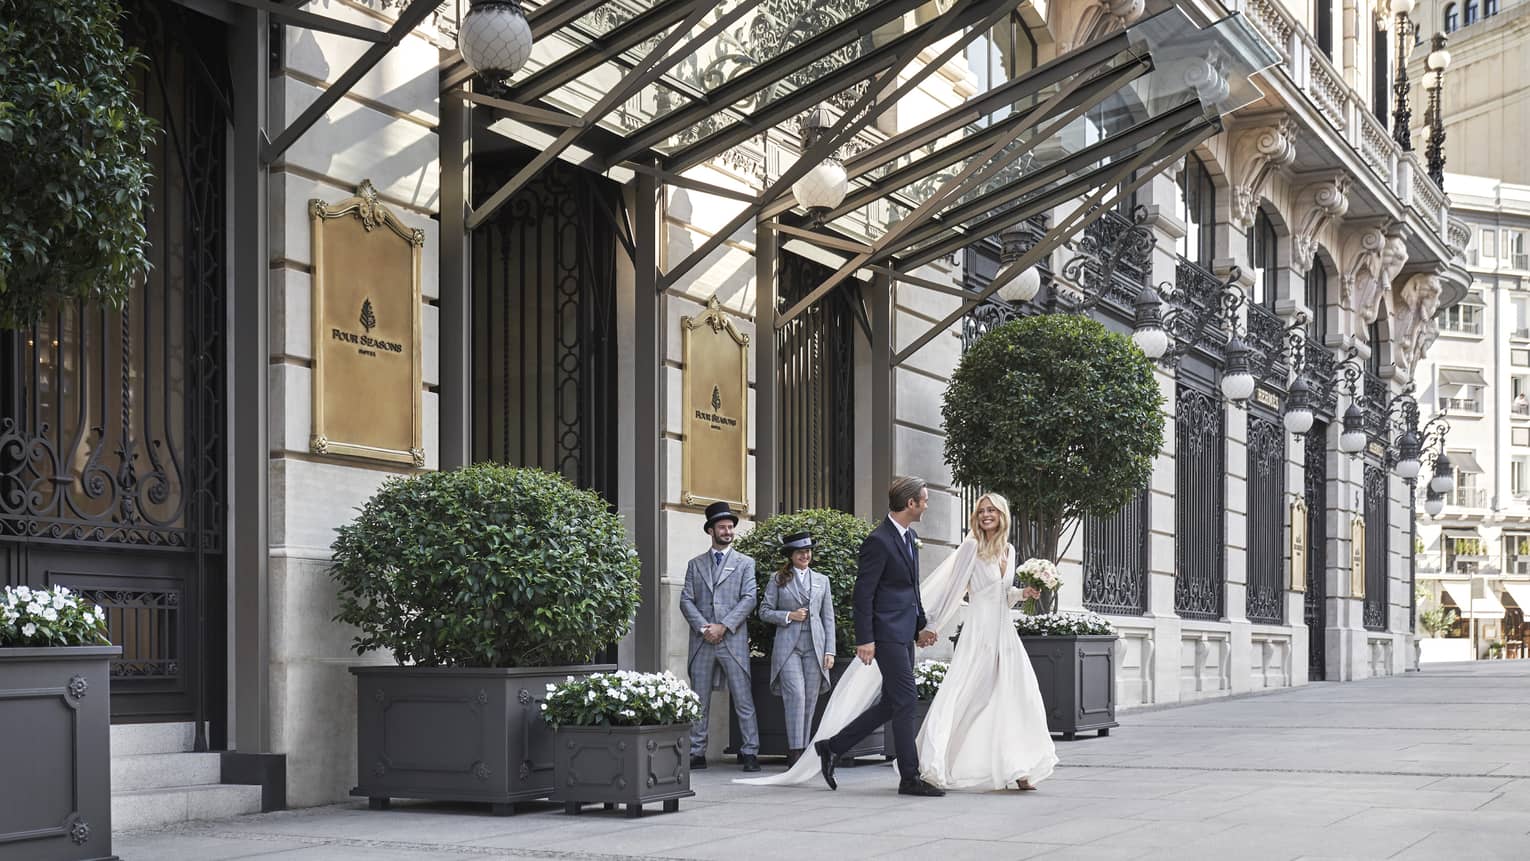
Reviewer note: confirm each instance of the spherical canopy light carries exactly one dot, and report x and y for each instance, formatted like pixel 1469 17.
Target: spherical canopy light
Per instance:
pixel 1443 481
pixel 1022 287
pixel 1402 7
pixel 1237 381
pixel 822 188
pixel 1298 416
pixel 1438 61
pixel 1353 439
pixel 1408 465
pixel 1434 503
pixel 1147 327
pixel 494 38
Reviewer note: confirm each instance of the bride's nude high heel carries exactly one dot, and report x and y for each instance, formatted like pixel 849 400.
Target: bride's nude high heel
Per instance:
pixel 1024 785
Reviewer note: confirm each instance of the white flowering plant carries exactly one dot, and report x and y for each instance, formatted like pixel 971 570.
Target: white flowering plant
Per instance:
pixel 1038 582
pixel 1063 625
pixel 622 698
pixel 50 617
pixel 927 678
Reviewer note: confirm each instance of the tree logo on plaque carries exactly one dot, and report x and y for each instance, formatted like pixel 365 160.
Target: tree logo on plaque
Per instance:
pixel 368 316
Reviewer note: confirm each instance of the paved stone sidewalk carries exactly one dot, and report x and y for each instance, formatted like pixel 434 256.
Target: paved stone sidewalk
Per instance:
pixel 1429 765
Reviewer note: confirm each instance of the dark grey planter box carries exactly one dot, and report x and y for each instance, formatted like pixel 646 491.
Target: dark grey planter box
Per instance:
pixel 55 741
pixel 630 765
pixel 455 734
pixel 770 711
pixel 1077 676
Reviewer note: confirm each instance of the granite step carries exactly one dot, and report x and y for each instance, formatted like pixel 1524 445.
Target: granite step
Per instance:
pixel 156 808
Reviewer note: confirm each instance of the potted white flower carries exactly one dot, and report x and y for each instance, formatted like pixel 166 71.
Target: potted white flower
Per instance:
pixel 621 738
pixel 54 692
pixel 1074 655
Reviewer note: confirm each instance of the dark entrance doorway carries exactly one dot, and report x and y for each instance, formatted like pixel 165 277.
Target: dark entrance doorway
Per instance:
pixel 112 437
pixel 1315 604
pixel 544 325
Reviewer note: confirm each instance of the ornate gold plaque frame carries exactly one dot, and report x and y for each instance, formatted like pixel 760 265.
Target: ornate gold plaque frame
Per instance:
pixel 360 382
pixel 1298 545
pixel 715 424
pixel 1357 558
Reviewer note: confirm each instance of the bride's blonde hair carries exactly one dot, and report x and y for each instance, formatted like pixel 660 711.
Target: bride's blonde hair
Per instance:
pixel 991 547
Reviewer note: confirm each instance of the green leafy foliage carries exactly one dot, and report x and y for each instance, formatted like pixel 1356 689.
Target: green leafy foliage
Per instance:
pixel 50 617
pixel 1057 414
pixel 74 176
pixel 838 537
pixel 1437 620
pixel 622 698
pixel 486 566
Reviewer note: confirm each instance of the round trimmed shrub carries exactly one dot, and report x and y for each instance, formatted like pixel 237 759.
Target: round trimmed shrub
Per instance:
pixel 1060 416
pixel 839 537
pixel 486 566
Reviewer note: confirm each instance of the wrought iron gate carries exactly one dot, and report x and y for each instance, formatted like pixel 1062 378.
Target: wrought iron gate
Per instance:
pixel 1377 545
pixel 1266 519
pixel 544 326
pixel 1315 604
pixel 816 361
pixel 1116 560
pixel 112 440
pixel 1200 478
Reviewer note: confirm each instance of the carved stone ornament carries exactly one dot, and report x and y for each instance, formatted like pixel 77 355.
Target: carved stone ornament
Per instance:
pixel 1257 153
pixel 1418 299
pixel 79 832
pixel 77 687
pixel 1360 267
pixel 1100 18
pixel 1318 204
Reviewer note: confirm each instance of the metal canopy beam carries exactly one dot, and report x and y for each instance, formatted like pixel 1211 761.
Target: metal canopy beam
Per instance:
pixel 858 116
pixel 656 63
pixel 764 75
pixel 311 21
pixel 408 19
pixel 803 99
pixel 1088 212
pixel 520 111
pixel 978 171
pixel 604 49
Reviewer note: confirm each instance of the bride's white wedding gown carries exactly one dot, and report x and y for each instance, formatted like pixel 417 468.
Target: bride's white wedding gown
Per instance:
pixel 987 726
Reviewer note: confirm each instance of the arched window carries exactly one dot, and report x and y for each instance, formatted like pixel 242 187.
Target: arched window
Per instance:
pixel 1452 23
pixel 1374 362
pixel 1489 8
pixel 1261 256
pixel 1471 12
pixel 1197 204
pixel 1317 301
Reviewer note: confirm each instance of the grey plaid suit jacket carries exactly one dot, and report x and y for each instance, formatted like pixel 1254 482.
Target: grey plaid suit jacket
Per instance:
pixel 729 602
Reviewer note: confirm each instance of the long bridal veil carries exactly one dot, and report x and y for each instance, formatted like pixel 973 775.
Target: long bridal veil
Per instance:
pixel 860 686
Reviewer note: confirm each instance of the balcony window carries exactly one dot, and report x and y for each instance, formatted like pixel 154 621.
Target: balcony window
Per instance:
pixel 1519 358
pixel 1261 256
pixel 1489 8
pixel 1519 476
pixel 1381 89
pixel 1513 253
pixel 1516 553
pixel 1463 318
pixel 1452 21
pixel 1317 303
pixel 1196 203
pixel 1519 396
pixel 1322 17
pixel 1467 494
pixel 1487 239
pixel 1471 12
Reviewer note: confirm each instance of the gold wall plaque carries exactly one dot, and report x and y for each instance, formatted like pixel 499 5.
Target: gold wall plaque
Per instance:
pixel 366 331
pixel 1299 545
pixel 1357 558
pixel 716 405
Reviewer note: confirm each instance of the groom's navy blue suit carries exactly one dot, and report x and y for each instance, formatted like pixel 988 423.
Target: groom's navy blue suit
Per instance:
pixel 888 612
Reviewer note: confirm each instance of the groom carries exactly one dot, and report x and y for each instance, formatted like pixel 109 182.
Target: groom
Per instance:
pixel 888 613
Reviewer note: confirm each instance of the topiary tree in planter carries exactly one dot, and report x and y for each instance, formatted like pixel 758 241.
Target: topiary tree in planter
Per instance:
pixel 73 158
pixel 1060 416
pixel 490 583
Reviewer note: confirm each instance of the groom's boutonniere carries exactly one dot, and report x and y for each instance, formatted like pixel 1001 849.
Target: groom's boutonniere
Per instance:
pixel 918 543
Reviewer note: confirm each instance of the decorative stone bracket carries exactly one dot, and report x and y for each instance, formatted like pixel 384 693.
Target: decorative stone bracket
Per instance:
pixel 1373 257
pixel 1317 205
pixel 1417 301
pixel 1257 153
pixel 1099 18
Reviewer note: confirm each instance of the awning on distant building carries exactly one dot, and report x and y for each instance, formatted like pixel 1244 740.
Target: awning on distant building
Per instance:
pixel 1519 593
pixel 1455 377
pixel 1464 461
pixel 1486 607
pixel 1460 533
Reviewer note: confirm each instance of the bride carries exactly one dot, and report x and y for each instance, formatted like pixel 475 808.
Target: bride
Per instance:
pixel 987 726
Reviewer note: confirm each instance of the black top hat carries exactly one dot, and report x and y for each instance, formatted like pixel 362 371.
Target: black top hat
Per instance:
pixel 719 511
pixel 796 541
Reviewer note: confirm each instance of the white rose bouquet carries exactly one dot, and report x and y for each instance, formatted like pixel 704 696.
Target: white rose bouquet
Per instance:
pixel 1038 583
pixel 622 698
pixel 50 617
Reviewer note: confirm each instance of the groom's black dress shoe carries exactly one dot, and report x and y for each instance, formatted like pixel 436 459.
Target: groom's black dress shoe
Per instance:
pixel 750 761
pixel 698 763
pixel 915 786
pixel 826 760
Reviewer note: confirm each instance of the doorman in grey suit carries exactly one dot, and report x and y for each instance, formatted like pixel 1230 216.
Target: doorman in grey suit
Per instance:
pixel 798 602
pixel 720 592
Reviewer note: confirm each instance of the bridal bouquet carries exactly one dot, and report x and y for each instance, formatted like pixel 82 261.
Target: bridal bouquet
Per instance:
pixel 927 678
pixel 1038 582
pixel 622 698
